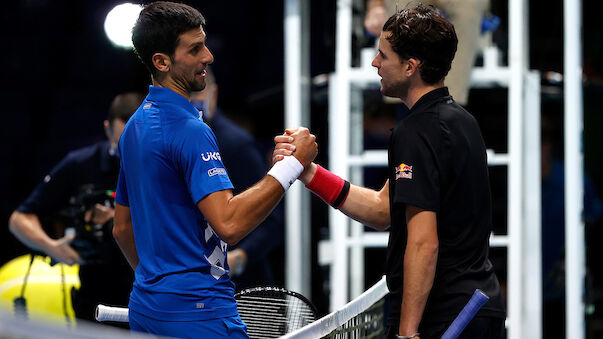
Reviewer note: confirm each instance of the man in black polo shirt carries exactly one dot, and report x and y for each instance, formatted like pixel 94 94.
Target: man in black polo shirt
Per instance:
pixel 437 197
pixel 85 177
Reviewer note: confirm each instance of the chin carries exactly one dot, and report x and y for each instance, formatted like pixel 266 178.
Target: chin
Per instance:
pixel 388 92
pixel 196 87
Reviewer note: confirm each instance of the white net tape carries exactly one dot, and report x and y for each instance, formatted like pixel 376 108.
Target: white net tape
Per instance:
pixel 329 323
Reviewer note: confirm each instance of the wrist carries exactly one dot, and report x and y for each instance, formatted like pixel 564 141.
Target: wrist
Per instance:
pixel 286 171
pixel 329 187
pixel 242 255
pixel 48 244
pixel 239 261
pixel 308 173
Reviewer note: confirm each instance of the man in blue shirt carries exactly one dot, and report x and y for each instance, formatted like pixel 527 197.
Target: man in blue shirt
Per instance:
pixel 175 211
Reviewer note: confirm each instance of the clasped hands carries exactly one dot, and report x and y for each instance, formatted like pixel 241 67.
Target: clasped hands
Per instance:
pixel 301 144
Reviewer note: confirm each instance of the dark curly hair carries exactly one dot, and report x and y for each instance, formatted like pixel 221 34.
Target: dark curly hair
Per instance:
pixel 424 34
pixel 159 27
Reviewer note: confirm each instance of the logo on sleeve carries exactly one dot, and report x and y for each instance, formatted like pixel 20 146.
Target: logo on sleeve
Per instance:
pixel 207 156
pixel 403 171
pixel 216 171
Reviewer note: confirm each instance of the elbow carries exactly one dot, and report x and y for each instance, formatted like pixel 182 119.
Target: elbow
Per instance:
pixel 232 241
pixel 430 251
pixel 228 232
pixel 230 237
pixel 382 220
pixel 118 232
pixel 427 249
pixel 13 222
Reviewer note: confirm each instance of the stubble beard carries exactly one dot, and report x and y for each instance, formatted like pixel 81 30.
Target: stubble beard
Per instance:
pixel 396 90
pixel 198 86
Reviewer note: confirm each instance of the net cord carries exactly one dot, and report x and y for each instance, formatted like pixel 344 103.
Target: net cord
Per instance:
pixel 327 324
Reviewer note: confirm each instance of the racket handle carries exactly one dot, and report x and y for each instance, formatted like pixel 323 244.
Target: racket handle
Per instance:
pixel 467 313
pixel 108 313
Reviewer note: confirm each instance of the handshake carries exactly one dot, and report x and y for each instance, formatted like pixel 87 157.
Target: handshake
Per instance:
pixel 301 144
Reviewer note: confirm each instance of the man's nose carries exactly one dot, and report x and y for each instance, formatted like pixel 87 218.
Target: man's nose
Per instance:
pixel 375 62
pixel 209 58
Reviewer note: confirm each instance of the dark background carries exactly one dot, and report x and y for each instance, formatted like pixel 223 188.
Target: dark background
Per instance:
pixel 59 73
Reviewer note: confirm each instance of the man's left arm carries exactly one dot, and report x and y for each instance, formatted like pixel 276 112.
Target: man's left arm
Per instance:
pixel 124 234
pixel 420 259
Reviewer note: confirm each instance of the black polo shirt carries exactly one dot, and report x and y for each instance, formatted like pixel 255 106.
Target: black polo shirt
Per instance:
pixel 109 282
pixel 437 162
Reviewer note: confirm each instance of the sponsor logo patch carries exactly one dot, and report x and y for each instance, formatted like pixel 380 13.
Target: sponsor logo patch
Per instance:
pixel 207 156
pixel 403 171
pixel 216 171
pixel 147 105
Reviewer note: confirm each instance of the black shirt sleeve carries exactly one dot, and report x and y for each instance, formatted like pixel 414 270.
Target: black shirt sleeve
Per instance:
pixel 54 190
pixel 416 172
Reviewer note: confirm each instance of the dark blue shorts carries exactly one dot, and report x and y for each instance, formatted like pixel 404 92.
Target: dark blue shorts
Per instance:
pixel 230 327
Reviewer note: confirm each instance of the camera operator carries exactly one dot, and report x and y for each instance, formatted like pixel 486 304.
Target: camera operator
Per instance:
pixel 77 194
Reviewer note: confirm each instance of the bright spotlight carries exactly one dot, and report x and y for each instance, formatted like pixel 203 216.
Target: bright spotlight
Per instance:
pixel 119 23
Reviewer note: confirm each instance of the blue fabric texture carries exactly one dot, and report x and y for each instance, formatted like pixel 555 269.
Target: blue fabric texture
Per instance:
pixel 230 327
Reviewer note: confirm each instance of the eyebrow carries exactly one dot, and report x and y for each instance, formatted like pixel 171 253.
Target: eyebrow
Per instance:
pixel 195 44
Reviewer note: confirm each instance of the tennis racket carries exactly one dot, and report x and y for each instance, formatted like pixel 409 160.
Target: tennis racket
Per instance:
pixel 467 313
pixel 271 312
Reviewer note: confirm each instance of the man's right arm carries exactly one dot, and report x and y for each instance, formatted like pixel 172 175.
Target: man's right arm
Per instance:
pixel 28 229
pixel 362 204
pixel 233 217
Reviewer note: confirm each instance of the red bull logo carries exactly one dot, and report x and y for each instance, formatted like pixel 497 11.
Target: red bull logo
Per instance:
pixel 403 171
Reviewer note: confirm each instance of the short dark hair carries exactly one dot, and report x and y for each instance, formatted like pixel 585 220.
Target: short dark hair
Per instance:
pixel 124 105
pixel 159 27
pixel 424 34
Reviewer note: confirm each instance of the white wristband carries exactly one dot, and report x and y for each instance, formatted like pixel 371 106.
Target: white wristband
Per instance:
pixel 286 171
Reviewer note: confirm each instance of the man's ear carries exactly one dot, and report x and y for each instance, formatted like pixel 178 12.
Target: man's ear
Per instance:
pixel 162 62
pixel 412 66
pixel 108 129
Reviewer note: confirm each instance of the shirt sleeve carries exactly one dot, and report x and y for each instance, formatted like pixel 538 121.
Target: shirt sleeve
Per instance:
pixel 416 170
pixel 121 193
pixel 54 190
pixel 200 162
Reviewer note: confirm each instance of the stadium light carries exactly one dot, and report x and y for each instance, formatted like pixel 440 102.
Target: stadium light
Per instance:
pixel 119 23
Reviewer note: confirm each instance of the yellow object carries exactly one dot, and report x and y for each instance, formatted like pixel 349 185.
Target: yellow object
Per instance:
pixel 47 297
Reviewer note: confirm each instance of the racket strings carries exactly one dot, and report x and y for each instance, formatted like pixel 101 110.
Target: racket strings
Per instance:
pixel 271 313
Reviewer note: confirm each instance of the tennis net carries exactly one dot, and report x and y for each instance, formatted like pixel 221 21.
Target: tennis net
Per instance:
pixel 360 318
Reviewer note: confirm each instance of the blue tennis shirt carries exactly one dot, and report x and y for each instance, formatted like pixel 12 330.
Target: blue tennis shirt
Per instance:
pixel 170 160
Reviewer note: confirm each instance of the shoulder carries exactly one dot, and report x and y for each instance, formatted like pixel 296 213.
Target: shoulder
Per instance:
pixel 449 112
pixel 194 127
pixel 85 154
pixel 417 124
pixel 191 136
